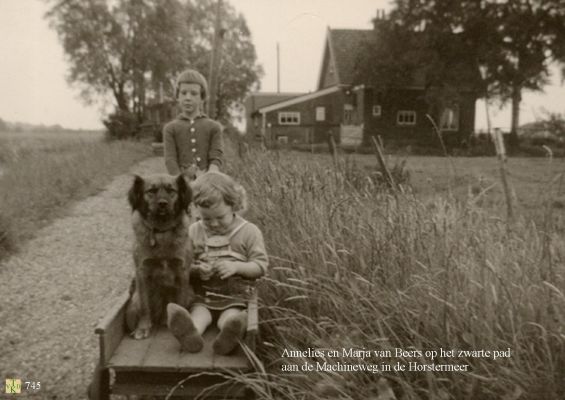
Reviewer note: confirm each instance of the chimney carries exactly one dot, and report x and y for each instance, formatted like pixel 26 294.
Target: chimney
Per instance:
pixel 380 17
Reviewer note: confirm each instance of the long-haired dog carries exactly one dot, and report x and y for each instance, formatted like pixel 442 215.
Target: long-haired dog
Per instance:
pixel 161 254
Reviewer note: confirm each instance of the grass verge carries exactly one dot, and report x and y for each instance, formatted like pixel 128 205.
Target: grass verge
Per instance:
pixel 40 177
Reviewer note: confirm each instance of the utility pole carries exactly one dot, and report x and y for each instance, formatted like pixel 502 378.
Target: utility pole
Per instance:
pixel 278 69
pixel 215 62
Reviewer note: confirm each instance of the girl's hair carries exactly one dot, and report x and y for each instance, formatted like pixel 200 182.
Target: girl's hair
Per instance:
pixel 213 187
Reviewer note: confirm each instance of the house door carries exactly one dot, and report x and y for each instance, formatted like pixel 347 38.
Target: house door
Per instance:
pixel 350 135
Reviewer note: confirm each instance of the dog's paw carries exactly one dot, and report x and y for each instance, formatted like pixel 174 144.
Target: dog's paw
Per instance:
pixel 141 333
pixel 143 330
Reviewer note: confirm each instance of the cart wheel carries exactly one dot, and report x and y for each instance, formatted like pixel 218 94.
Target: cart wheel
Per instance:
pixel 99 388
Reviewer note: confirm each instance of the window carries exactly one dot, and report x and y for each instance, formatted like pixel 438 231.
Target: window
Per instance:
pixel 449 120
pixel 347 114
pixel 320 113
pixel 376 111
pixel 404 117
pixel 289 118
pixel 282 139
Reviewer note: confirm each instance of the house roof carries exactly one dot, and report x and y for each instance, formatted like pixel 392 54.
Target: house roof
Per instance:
pixel 345 46
pixel 256 100
pixel 300 99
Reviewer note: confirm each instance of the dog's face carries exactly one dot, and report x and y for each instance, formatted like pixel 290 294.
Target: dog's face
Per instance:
pixel 160 196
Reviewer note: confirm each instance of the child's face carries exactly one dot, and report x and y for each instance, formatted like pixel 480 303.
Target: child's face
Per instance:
pixel 190 98
pixel 218 218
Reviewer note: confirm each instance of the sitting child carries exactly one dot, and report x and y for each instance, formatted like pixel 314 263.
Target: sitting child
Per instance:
pixel 229 255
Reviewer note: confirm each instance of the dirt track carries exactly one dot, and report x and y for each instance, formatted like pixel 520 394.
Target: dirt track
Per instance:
pixel 54 292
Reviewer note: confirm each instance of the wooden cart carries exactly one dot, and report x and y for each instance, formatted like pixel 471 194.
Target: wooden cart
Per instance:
pixel 154 366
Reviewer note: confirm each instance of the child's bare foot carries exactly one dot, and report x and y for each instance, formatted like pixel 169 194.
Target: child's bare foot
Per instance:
pixel 233 331
pixel 181 326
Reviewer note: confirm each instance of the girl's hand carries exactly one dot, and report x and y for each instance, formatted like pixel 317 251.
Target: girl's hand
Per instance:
pixel 206 270
pixel 225 269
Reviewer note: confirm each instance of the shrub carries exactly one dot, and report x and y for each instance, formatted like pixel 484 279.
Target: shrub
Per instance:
pixel 121 125
pixel 158 134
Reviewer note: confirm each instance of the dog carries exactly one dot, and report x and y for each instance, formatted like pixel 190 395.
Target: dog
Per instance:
pixel 161 254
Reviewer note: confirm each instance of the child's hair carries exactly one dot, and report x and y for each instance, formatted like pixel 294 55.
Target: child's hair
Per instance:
pixel 192 76
pixel 213 187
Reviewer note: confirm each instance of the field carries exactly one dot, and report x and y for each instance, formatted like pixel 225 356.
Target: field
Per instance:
pixel 40 173
pixel 439 267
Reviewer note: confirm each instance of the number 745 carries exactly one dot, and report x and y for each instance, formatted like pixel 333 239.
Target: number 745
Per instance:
pixel 32 385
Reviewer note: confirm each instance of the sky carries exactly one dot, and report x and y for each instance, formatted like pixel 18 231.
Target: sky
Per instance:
pixel 33 70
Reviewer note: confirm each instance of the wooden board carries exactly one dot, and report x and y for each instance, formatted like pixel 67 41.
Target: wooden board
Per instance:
pixel 161 384
pixel 161 352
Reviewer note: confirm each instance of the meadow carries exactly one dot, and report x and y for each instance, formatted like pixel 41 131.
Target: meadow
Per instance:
pixel 439 266
pixel 355 266
pixel 41 173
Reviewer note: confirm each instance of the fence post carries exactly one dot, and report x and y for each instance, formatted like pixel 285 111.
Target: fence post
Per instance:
pixel 380 158
pixel 501 155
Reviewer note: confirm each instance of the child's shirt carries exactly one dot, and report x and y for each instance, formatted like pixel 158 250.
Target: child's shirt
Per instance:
pixel 192 142
pixel 244 242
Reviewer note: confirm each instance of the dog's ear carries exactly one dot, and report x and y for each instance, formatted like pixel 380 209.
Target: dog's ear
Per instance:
pixel 135 194
pixel 184 193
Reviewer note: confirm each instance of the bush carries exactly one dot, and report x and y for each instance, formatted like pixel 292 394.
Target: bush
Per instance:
pixel 121 125
pixel 158 134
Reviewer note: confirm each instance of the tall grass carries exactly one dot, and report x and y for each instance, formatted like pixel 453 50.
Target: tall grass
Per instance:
pixel 354 266
pixel 40 177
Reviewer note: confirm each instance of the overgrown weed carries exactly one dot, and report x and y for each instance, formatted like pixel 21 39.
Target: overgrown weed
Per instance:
pixel 354 266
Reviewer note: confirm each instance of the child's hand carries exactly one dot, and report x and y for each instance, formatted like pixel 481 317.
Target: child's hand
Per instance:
pixel 225 269
pixel 191 172
pixel 206 270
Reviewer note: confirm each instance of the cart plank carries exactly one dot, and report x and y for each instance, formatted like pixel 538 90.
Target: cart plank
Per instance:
pixel 161 352
pixel 204 359
pixel 129 353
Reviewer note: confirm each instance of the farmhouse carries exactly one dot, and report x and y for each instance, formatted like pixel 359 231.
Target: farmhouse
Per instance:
pixel 351 109
pixel 257 100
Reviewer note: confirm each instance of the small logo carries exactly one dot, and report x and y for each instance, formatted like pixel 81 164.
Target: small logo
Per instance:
pixel 13 386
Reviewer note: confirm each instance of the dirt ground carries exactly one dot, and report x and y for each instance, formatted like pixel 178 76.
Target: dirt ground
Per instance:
pixel 57 288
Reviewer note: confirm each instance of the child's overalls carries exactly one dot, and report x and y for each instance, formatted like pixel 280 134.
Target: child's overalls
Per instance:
pixel 217 293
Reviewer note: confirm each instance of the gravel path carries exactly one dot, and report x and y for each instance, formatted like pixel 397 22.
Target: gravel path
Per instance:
pixel 54 292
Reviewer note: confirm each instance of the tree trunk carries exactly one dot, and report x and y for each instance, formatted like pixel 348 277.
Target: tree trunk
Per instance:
pixel 516 99
pixel 121 99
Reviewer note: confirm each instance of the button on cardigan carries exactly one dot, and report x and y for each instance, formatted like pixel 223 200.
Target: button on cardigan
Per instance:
pixel 188 142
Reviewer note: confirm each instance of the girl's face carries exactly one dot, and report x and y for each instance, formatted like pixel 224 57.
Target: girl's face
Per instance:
pixel 190 99
pixel 218 218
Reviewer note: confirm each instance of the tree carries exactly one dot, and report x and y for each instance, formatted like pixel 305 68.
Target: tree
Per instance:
pixel 3 126
pixel 528 36
pixel 114 48
pixel 401 53
pixel 132 48
pixel 239 72
pixel 513 40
